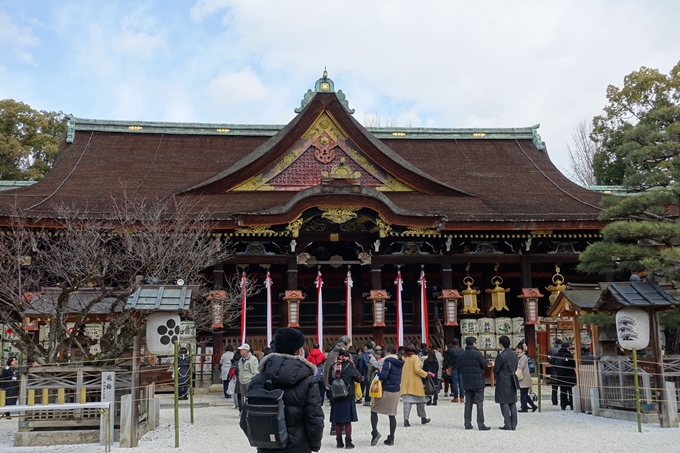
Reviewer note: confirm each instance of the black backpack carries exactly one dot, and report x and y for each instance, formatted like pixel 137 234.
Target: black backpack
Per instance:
pixel 265 418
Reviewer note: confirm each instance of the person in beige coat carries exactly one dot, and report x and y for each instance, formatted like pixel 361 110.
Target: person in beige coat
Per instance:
pixel 525 382
pixel 412 390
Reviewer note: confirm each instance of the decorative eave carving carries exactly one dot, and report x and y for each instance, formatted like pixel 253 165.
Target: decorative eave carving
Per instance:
pixel 339 214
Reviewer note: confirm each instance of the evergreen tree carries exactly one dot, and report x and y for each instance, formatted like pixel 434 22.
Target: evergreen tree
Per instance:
pixel 638 139
pixel 29 140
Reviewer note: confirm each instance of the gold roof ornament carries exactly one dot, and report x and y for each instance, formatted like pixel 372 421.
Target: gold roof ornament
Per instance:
pixel 558 285
pixel 339 214
pixel 294 227
pixel 498 293
pixel 341 171
pixel 469 294
pixel 384 227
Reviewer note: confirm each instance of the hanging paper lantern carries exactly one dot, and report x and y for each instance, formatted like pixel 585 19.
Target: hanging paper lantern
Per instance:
pixel 293 297
pixel 498 295
pixel 530 296
pixel 162 332
pixel 378 296
pixel 450 298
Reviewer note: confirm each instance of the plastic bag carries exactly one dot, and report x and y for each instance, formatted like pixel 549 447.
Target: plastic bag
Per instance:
pixel 357 390
pixel 376 389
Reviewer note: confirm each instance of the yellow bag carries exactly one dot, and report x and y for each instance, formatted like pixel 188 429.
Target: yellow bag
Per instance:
pixel 376 388
pixel 357 390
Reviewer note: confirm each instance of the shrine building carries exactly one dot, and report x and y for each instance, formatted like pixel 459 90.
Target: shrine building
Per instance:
pixel 482 214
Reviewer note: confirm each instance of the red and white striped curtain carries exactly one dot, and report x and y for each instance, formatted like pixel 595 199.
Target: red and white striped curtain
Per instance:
pixel 400 322
pixel 319 314
pixel 244 287
pixel 268 284
pixel 348 302
pixel 424 330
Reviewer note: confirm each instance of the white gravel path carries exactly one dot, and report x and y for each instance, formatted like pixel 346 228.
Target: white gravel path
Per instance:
pixel 216 430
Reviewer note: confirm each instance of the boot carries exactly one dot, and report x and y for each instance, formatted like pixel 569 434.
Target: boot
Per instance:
pixel 389 440
pixel 339 444
pixel 375 436
pixel 348 442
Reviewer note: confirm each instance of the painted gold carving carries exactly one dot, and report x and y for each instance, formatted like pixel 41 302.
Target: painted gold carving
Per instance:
pixel 325 123
pixel 341 171
pixel 294 227
pixel 383 226
pixel 418 231
pixel 256 231
pixel 339 214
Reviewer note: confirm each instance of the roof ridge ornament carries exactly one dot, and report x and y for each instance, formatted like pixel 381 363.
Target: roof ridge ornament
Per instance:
pixel 536 138
pixel 324 85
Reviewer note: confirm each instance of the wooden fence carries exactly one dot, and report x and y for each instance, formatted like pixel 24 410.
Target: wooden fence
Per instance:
pixel 671 371
pixel 617 386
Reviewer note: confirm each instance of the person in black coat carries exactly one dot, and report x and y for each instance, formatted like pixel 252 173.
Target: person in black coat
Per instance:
pixel 9 382
pixel 451 369
pixel 506 385
pixel 564 370
pixel 431 364
pixel 471 365
pixel 288 370
pixel 343 409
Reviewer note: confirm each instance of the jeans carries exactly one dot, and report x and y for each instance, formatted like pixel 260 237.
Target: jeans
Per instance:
pixel 367 389
pixel 322 391
pixel 225 387
pixel 458 389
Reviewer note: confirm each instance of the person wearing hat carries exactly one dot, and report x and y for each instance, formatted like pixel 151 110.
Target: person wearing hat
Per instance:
pixel 288 370
pixel 247 369
pixel 471 365
pixel 552 357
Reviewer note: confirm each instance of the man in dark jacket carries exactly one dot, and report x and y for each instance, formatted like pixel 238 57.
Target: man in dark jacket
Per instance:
pixel 451 369
pixel 552 356
pixel 287 369
pixel 506 386
pixel 471 365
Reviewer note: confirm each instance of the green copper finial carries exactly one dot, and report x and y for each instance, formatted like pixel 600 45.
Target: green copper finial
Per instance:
pixel 324 85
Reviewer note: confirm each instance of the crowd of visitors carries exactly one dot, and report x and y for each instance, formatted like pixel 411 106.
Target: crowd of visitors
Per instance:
pixel 347 377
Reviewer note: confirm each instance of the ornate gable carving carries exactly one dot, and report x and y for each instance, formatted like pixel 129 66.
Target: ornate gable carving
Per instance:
pixel 323 147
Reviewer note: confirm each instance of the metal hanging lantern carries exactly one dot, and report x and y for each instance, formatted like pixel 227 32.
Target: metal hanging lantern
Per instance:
pixel 558 285
pixel 450 298
pixel 293 297
pixel 498 293
pixel 378 296
pixel 469 297
pixel 530 296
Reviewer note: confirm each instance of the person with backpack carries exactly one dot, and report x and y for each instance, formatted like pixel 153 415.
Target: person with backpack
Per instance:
pixel 341 378
pixel 287 369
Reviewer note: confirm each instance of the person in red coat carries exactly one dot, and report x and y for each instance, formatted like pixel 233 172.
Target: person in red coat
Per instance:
pixel 316 356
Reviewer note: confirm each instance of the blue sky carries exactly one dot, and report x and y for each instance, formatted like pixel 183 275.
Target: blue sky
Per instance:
pixel 425 63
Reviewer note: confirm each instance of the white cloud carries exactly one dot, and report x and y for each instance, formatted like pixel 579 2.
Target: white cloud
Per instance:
pixel 24 56
pixel 204 8
pixel 238 88
pixel 13 35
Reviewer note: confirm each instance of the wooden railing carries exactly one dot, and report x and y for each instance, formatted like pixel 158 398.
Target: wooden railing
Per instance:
pixel 617 386
pixel 671 371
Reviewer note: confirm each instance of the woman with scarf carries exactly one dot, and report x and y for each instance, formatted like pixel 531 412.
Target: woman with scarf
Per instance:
pixel 390 375
pixel 343 410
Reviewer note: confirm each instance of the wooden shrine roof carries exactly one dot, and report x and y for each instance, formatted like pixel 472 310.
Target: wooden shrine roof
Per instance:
pixel 435 178
pixel 634 294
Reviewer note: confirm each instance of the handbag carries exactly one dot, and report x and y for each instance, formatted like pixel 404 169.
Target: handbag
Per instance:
pixel 519 373
pixel 376 390
pixel 358 393
pixel 428 384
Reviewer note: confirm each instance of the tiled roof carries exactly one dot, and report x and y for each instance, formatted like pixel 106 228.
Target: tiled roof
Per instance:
pixel 634 294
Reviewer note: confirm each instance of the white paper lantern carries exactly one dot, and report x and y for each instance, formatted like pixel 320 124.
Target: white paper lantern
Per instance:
pixel 632 328
pixel 162 331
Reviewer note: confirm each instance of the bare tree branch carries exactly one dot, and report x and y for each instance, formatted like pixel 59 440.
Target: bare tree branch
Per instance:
pixel 581 154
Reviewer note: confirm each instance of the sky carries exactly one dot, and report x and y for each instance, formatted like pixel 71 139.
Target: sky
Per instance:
pixel 420 63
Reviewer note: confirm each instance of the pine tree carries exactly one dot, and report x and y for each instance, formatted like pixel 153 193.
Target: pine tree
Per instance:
pixel 638 138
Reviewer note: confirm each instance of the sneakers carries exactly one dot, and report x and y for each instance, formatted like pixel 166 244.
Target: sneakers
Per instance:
pixel 455 400
pixel 375 437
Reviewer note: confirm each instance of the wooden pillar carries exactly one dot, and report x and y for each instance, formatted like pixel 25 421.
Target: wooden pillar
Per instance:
pixel 357 300
pixel 376 283
pixel 291 283
pixel 218 283
pixel 447 283
pixel 529 330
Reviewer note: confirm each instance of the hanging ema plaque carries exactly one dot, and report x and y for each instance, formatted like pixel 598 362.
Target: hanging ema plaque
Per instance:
pixel 632 328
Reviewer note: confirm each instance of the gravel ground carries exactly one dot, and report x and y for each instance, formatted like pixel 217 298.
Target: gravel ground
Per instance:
pixel 216 430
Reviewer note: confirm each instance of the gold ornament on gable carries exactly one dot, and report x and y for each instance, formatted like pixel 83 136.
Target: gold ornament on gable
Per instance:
pixel 339 214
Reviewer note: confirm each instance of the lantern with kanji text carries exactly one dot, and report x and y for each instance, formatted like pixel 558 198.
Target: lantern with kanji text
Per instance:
pixel 450 298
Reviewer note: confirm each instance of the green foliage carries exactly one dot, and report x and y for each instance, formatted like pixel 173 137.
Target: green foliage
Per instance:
pixel 638 137
pixel 670 319
pixel 599 319
pixel 29 140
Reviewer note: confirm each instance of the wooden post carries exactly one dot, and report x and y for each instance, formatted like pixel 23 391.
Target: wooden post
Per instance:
pixel 176 378
pixel 637 390
pixel 191 384
pixel 538 374
pixel 218 279
pixel 136 361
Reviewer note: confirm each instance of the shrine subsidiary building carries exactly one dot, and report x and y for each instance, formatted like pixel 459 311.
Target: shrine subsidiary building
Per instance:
pixel 466 208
